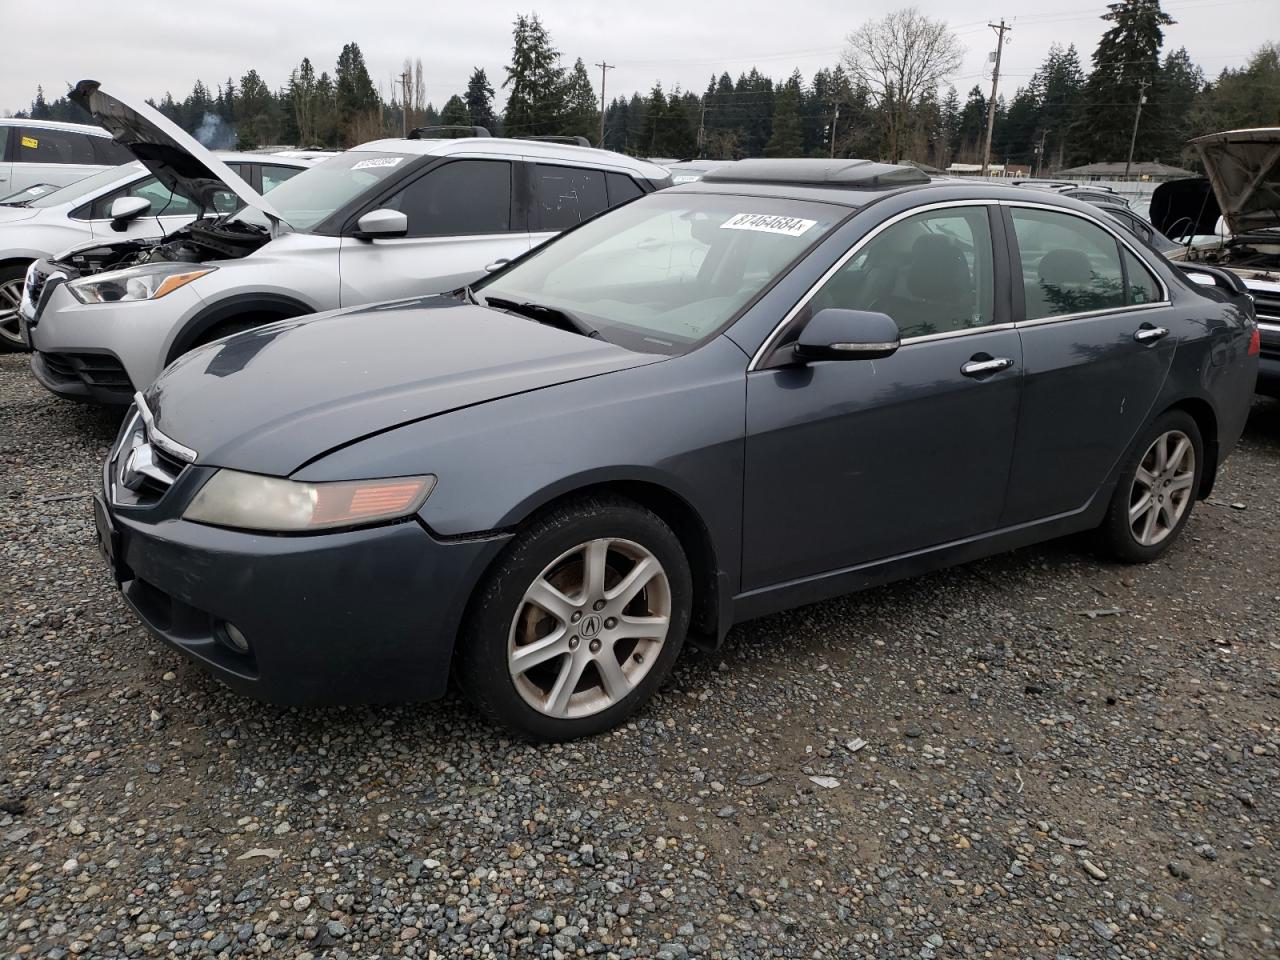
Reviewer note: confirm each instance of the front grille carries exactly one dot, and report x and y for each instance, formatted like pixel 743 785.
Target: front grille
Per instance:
pixel 1266 304
pixel 141 473
pixel 98 370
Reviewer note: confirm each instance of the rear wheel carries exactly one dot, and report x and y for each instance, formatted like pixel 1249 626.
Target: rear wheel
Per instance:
pixel 579 621
pixel 1156 490
pixel 11 281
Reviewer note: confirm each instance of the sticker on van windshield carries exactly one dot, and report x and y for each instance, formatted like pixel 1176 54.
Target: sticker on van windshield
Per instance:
pixel 768 223
pixel 31 142
pixel 377 162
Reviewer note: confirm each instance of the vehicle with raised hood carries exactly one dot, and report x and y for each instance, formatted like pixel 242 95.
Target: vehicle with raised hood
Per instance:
pixel 391 218
pixel 1241 191
pixel 127 202
pixel 786 381
pixel 50 153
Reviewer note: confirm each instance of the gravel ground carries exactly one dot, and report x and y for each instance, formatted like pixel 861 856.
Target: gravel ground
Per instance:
pixel 1039 755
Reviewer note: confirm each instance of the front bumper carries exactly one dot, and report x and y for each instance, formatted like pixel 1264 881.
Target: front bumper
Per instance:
pixel 1269 361
pixel 359 616
pixel 103 351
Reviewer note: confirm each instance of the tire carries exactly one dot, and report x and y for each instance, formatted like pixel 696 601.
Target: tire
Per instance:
pixel 543 701
pixel 1169 485
pixel 11 280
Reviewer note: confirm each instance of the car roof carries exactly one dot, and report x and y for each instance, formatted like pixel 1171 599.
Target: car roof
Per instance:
pixel 938 190
pixel 511 147
pixel 88 128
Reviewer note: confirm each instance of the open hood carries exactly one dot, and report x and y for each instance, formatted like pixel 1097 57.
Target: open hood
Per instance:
pixel 1244 168
pixel 174 156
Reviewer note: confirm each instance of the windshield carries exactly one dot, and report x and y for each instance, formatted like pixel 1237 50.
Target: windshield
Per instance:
pixel 316 193
pixel 668 271
pixel 87 186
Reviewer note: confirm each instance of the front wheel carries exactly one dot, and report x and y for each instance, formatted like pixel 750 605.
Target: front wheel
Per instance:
pixel 1156 490
pixel 579 622
pixel 11 281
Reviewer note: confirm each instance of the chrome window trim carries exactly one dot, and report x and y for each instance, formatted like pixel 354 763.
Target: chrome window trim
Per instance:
pixel 954 334
pixel 1164 300
pixel 165 443
pixel 767 345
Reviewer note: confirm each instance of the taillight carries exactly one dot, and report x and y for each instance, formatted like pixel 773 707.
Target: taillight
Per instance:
pixel 1255 343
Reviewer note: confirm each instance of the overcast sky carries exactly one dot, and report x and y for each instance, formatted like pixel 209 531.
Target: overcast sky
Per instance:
pixel 150 46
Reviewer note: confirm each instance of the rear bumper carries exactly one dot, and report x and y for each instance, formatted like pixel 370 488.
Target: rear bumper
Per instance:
pixel 362 616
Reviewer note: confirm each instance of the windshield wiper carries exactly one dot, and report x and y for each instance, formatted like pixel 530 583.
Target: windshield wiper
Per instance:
pixel 552 316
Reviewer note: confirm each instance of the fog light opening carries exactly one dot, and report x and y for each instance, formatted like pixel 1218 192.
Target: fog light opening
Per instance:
pixel 232 637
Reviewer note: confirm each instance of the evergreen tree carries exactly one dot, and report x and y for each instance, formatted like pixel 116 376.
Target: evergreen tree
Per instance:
pixel 455 112
pixel 973 127
pixel 479 100
pixel 1062 87
pixel 949 128
pixel 40 109
pixel 303 94
pixel 355 99
pixel 582 114
pixel 255 108
pixel 786 139
pixel 1127 55
pixel 1176 87
pixel 535 104
pixel 1242 98
pixel 655 111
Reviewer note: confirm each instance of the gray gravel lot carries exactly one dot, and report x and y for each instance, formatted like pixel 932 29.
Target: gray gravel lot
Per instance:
pixel 1063 758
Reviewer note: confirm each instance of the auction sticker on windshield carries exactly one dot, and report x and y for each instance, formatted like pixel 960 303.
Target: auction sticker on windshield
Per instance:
pixel 768 223
pixel 377 162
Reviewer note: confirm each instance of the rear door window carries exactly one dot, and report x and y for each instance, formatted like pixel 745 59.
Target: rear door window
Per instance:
pixel 461 198
pixel 36 145
pixel 565 196
pixel 1069 265
pixel 109 153
pixel 1140 285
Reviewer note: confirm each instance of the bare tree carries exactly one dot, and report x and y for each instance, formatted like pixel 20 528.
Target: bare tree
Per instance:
pixel 413 90
pixel 901 59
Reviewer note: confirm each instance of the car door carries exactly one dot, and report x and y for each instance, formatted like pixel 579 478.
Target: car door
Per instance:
pixel 42 155
pixel 6 185
pixel 849 462
pixel 1094 322
pixel 462 217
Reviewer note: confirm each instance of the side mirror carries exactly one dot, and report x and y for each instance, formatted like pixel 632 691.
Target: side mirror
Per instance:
pixel 835 334
pixel 124 209
pixel 379 224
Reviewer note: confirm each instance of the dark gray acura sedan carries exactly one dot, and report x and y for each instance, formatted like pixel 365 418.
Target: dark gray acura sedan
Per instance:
pixel 787 381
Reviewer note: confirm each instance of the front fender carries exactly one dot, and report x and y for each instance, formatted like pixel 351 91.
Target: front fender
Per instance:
pixel 677 425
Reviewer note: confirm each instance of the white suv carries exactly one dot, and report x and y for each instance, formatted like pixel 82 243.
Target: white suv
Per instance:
pixel 42 222
pixel 389 219
pixel 51 154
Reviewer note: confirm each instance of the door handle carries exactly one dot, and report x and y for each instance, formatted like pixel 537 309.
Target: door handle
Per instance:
pixel 497 264
pixel 981 366
pixel 1149 334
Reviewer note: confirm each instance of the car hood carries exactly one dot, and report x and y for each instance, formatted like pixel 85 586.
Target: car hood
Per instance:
pixel 1244 168
pixel 272 399
pixel 174 156
pixel 16 214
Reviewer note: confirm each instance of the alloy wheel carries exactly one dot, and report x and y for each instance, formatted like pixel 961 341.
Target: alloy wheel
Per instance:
pixel 1162 485
pixel 10 298
pixel 589 628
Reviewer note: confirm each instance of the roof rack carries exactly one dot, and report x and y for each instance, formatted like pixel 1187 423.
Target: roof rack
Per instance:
pixel 420 133
pixel 817 173
pixel 576 141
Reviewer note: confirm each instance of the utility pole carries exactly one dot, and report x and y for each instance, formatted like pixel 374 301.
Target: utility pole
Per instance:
pixel 1040 153
pixel 1000 30
pixel 702 130
pixel 404 103
pixel 604 68
pixel 1142 98
pixel 835 118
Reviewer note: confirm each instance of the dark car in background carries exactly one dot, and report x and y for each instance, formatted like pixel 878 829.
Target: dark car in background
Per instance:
pixel 786 381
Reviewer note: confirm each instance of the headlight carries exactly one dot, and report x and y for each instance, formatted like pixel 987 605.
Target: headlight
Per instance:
pixel 249 501
pixel 150 281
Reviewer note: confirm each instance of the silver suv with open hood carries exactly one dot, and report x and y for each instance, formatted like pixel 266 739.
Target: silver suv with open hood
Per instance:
pixel 1242 188
pixel 390 219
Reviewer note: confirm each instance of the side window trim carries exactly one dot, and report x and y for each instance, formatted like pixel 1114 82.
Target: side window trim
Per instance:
pixel 1122 245
pixel 759 358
